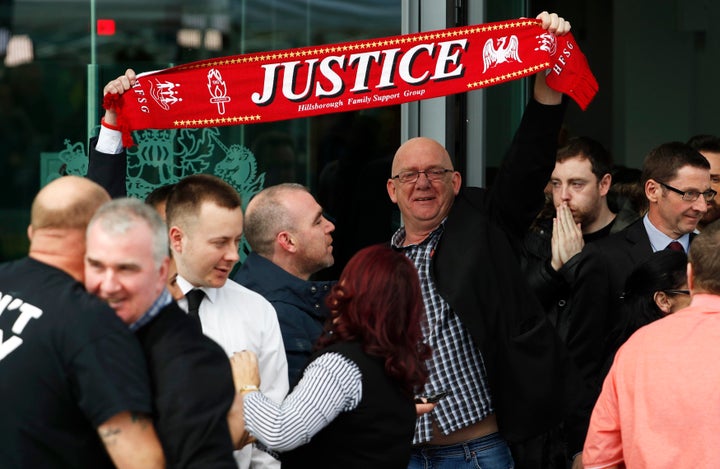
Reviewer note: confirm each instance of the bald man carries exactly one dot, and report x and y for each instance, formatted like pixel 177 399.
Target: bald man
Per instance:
pixel 74 388
pixel 494 350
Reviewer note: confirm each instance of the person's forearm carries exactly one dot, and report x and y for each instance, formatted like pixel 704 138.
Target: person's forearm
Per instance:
pixel 109 141
pixel 236 423
pixel 331 384
pixel 543 94
pixel 131 441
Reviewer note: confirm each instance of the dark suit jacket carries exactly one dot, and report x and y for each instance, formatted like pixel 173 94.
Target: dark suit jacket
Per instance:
pixel 476 270
pixel 110 171
pixel 580 332
pixel 602 271
pixel 192 391
pixel 618 255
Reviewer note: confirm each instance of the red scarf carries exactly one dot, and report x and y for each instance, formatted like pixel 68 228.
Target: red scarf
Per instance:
pixel 297 83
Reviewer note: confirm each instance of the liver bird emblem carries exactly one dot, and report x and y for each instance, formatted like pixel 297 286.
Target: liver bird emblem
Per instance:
pixel 507 51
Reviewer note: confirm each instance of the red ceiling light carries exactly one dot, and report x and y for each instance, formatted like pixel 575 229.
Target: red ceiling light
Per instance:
pixel 105 27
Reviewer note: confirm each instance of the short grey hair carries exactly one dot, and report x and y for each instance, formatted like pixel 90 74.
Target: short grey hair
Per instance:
pixel 120 215
pixel 266 216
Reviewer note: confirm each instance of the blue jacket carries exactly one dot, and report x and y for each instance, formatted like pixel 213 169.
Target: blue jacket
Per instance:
pixel 300 307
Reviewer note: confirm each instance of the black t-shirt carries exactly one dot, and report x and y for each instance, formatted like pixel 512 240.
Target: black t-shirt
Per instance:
pixel 67 364
pixel 603 232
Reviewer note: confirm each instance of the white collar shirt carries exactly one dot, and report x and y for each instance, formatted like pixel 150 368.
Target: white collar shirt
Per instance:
pixel 240 319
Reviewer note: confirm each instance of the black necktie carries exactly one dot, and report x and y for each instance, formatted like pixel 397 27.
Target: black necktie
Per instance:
pixel 675 246
pixel 194 297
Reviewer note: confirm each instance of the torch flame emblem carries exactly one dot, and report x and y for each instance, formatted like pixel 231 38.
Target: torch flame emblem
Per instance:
pixel 218 90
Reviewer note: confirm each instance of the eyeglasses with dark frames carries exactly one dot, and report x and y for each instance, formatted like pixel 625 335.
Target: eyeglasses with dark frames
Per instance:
pixel 677 292
pixel 690 196
pixel 433 174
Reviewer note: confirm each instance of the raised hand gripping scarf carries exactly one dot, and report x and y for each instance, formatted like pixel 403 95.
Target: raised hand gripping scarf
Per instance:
pixel 297 83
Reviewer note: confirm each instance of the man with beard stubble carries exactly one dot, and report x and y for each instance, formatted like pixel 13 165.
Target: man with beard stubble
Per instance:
pixel 291 240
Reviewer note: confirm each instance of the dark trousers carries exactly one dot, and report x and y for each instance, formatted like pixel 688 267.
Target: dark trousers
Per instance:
pixel 546 451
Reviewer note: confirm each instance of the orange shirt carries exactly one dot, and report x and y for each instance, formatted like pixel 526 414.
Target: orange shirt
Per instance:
pixel 660 403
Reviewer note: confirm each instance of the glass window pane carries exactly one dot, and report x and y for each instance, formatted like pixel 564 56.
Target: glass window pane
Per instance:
pixel 47 92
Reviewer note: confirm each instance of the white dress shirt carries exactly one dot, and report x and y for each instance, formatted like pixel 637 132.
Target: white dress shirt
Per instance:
pixel 239 319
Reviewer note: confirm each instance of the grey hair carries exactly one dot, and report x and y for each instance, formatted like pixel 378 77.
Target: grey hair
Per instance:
pixel 119 215
pixel 266 216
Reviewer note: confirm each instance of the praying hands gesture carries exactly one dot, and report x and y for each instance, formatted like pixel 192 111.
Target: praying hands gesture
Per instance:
pixel 567 238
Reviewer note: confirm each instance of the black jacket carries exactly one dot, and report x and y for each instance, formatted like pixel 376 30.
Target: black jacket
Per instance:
pixel 110 171
pixel 377 434
pixel 476 270
pixel 581 332
pixel 602 270
pixel 192 391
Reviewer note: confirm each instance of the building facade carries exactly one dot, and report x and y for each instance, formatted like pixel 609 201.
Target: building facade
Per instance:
pixel 656 84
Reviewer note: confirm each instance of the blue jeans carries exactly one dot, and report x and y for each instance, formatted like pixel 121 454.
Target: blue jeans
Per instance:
pixel 488 452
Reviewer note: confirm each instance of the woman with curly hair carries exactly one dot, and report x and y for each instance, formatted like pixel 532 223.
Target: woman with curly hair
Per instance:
pixel 353 406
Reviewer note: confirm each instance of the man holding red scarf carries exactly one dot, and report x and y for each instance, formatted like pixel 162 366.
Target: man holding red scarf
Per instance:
pixel 463 241
pixel 496 353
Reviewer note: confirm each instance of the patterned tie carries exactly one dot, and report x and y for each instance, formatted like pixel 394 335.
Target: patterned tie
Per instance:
pixel 675 246
pixel 194 297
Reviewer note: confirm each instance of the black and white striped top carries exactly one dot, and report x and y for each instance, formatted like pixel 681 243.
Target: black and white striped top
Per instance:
pixel 330 385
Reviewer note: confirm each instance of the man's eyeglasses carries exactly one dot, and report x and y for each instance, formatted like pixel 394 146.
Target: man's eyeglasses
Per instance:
pixel 433 174
pixel 677 292
pixel 691 196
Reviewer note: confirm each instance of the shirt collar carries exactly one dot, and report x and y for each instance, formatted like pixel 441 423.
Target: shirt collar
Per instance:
pixel 163 300
pixel 659 240
pixel 707 301
pixel 185 286
pixel 398 238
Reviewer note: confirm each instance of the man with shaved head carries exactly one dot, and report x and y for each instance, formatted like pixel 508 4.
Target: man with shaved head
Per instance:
pixel 74 387
pixel 495 352
pixel 291 240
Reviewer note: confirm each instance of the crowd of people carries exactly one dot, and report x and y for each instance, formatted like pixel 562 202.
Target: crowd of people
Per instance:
pixel 544 322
